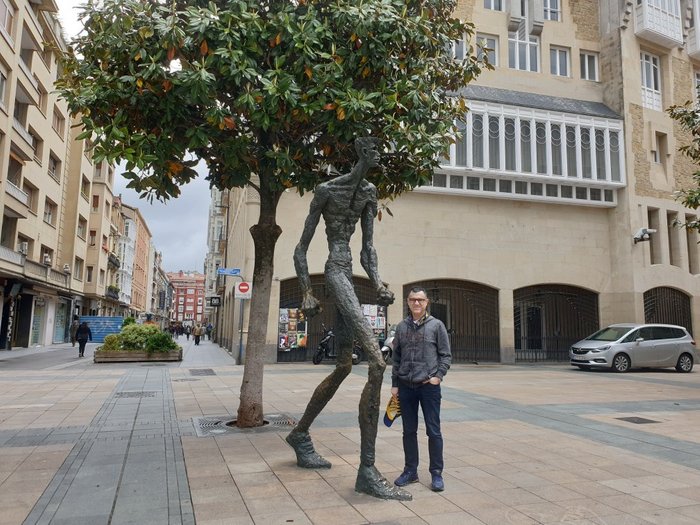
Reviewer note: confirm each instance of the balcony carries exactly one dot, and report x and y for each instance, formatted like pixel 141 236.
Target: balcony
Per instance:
pixel 661 25
pixel 11 256
pixel 22 132
pixel 693 42
pixel 17 193
pixel 113 261
pixel 112 292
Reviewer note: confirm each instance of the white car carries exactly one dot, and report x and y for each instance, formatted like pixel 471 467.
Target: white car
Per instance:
pixel 624 346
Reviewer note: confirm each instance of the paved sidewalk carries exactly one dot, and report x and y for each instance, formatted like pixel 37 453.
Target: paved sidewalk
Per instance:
pixel 86 443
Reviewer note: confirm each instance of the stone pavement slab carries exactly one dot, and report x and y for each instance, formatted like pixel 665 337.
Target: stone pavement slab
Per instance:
pixel 116 444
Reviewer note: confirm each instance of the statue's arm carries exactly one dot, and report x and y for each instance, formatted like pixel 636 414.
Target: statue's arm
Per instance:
pixel 368 255
pixel 310 304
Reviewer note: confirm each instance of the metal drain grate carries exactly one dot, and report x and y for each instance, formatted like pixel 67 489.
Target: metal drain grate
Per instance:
pixel 216 426
pixel 184 380
pixel 637 420
pixel 135 394
pixel 202 372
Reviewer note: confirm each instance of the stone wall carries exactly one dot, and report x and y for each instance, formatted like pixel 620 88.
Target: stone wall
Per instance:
pixel 464 10
pixel 586 16
pixel 683 167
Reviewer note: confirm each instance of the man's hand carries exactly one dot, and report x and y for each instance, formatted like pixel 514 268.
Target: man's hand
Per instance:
pixel 394 391
pixel 310 305
pixel 385 297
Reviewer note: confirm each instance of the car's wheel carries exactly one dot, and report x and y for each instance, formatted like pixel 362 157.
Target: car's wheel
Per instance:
pixel 584 367
pixel 685 363
pixel 621 363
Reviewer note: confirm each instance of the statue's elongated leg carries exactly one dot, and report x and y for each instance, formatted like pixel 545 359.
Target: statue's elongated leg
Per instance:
pixel 299 438
pixel 369 479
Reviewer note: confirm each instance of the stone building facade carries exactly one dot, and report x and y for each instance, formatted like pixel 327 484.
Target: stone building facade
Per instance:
pixel 531 235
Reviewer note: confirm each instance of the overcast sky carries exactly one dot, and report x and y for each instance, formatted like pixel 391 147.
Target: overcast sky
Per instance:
pixel 178 227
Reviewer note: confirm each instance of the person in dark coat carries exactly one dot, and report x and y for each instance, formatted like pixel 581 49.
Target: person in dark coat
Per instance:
pixel 82 335
pixel 74 329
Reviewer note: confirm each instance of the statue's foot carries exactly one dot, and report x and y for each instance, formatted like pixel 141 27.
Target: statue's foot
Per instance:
pixel 370 481
pixel 307 457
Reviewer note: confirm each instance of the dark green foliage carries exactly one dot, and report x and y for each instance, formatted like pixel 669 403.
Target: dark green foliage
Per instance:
pixel 688 116
pixel 127 321
pixel 160 342
pixel 278 88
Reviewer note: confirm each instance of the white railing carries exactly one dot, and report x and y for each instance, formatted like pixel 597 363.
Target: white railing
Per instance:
pixel 17 193
pixel 651 99
pixel 28 72
pixel 9 255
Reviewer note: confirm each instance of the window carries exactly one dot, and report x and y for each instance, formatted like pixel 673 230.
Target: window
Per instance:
pixel 88 274
pixel 199 301
pixel 32 195
pixel 559 61
pixel 58 122
pixel 660 152
pixel 190 291
pixel 98 170
pixel 589 66
pixel 54 169
pixel 38 147
pixel 46 255
pixel 102 277
pixel 651 81
pixel 78 269
pixel 107 209
pixel 487 47
pixel 181 300
pixel 85 187
pixel 105 246
pixel 92 238
pixel 95 203
pixel 50 212
pixel 3 82
pixel 523 54
pixel 495 5
pixel 7 16
pixel 552 10
pixel 43 99
pixel 82 227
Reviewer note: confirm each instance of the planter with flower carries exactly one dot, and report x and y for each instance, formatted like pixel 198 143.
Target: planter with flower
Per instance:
pixel 138 342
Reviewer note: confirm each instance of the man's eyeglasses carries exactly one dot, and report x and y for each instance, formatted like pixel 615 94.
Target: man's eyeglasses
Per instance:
pixel 421 301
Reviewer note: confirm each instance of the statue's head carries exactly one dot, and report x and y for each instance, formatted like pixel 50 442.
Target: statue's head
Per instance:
pixel 366 148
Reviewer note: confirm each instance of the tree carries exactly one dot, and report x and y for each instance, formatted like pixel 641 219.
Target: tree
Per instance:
pixel 688 116
pixel 269 93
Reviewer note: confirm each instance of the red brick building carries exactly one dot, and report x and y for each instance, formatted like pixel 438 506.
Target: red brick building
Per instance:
pixel 188 298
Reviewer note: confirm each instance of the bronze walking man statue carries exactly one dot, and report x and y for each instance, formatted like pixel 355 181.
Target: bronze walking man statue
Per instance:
pixel 343 202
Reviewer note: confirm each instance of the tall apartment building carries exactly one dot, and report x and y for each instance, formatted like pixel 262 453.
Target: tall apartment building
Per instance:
pixel 141 236
pixel 40 273
pixel 216 251
pixel 187 307
pixel 527 238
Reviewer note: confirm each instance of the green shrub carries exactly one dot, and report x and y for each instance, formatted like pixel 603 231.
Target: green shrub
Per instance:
pixel 160 342
pixel 111 343
pixel 134 336
pixel 127 321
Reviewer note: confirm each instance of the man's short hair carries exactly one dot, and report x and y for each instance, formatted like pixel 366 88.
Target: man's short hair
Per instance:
pixel 418 289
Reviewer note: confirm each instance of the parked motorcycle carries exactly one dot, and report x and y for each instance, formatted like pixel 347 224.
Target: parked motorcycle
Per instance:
pixel 388 345
pixel 324 348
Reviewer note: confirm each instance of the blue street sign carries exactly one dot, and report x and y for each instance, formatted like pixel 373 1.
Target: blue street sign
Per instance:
pixel 228 271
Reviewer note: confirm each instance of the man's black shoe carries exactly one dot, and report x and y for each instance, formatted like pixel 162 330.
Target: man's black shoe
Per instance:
pixel 438 485
pixel 405 478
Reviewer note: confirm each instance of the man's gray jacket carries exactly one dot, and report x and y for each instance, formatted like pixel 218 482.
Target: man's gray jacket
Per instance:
pixel 421 351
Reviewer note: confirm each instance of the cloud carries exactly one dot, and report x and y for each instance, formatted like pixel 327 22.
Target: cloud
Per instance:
pixel 178 226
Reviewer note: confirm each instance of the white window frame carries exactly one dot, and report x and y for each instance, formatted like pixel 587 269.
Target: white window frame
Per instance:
pixel 493 5
pixel 586 74
pixel 50 209
pixel 556 54
pixel 490 42
pixel 552 10
pixel 651 81
pixel 7 17
pixel 514 47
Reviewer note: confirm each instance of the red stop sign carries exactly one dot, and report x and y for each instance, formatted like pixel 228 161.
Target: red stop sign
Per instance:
pixel 243 287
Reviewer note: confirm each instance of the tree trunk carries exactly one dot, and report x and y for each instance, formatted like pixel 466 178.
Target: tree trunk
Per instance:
pixel 265 234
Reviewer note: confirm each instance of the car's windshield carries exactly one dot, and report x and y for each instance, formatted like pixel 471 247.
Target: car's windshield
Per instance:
pixel 611 333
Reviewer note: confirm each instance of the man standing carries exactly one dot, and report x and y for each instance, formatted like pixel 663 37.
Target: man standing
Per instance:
pixel 343 202
pixel 82 335
pixel 422 357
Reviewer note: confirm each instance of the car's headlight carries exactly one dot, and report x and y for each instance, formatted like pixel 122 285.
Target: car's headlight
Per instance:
pixel 600 349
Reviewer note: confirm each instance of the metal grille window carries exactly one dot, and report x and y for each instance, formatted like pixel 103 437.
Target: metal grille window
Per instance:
pixel 667 306
pixel 651 81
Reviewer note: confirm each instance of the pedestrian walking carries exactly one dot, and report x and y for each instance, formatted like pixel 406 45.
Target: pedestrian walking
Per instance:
pixel 210 329
pixel 187 332
pixel 197 332
pixel 82 335
pixel 74 329
pixel 421 358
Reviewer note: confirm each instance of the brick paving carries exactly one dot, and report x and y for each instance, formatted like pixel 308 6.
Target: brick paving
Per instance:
pixel 85 443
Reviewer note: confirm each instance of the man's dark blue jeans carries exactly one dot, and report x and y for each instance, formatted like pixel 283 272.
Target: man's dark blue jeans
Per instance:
pixel 428 396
